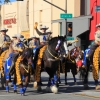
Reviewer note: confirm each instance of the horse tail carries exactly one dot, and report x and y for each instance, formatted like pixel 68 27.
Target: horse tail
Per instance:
pixel 96 63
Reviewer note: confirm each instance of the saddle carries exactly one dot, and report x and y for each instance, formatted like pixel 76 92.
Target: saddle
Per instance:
pixel 14 57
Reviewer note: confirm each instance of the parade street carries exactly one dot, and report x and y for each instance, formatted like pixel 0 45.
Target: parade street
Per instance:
pixel 66 92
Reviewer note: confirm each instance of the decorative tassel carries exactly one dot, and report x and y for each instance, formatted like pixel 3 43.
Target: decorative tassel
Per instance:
pixel 96 64
pixel 1 59
pixel 38 66
pixel 17 70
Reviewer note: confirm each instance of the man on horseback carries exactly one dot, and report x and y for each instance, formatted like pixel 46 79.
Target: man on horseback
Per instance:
pixel 34 42
pixel 95 44
pixel 43 44
pixel 18 47
pixel 4 39
pixel 49 37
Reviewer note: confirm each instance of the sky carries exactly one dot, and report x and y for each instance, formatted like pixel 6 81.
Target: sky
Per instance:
pixel 3 1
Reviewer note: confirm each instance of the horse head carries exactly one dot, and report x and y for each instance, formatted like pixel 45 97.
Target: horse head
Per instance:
pixel 56 45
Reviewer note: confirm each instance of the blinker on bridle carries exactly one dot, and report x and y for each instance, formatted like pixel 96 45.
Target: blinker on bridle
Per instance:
pixel 58 44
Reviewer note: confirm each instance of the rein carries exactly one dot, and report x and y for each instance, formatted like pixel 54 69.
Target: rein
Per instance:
pixel 52 54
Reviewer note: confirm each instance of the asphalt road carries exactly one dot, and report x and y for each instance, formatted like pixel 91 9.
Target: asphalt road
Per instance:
pixel 66 92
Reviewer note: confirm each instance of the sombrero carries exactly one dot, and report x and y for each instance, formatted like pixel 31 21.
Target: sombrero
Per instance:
pixel 14 36
pixel 44 27
pixel 4 29
pixel 48 31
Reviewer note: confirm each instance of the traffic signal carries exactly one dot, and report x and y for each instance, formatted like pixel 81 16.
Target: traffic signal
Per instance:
pixel 69 28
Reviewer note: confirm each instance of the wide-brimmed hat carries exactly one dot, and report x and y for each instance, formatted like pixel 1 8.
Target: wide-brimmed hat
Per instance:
pixel 98 25
pixel 4 29
pixel 48 31
pixel 44 27
pixel 19 36
pixel 14 36
pixel 33 36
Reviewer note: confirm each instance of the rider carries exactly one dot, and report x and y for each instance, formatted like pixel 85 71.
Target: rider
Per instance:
pixel 96 42
pixel 43 45
pixel 49 37
pixel 4 38
pixel 18 47
pixel 34 42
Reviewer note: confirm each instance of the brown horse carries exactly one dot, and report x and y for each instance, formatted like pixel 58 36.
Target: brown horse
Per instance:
pixel 69 63
pixel 6 54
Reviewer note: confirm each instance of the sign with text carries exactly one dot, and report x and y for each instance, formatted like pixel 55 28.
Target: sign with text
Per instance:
pixel 9 21
pixel 65 15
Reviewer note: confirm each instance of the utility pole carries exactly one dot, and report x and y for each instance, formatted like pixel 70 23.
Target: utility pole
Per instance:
pixel 65 10
pixel 65 19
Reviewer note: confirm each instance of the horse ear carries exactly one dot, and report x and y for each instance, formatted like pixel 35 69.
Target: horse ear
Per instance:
pixel 58 35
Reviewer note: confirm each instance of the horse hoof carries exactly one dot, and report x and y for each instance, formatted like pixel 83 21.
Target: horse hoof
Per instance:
pixel 66 83
pixel 15 91
pixel 86 86
pixel 54 89
pixel 39 89
pixel 35 85
pixel 97 87
pixel 48 89
pixel 7 91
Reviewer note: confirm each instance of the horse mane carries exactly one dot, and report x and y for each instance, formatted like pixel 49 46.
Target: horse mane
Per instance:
pixel 27 53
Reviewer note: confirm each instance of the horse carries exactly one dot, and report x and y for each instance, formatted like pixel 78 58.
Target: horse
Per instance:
pixel 69 63
pixel 50 63
pixel 26 69
pixel 6 76
pixel 95 69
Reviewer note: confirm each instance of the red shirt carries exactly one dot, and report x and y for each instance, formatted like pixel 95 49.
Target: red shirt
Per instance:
pixel 79 63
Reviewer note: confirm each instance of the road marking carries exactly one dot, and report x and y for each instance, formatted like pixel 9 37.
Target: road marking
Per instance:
pixel 84 95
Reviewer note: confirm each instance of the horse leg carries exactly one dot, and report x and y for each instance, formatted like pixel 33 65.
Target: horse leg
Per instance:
pixel 74 78
pixel 14 84
pixel 56 80
pixel 7 87
pixel 26 83
pixel 66 76
pixel 2 80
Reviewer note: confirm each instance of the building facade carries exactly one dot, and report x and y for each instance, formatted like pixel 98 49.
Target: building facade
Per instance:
pixel 25 13
pixel 14 17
